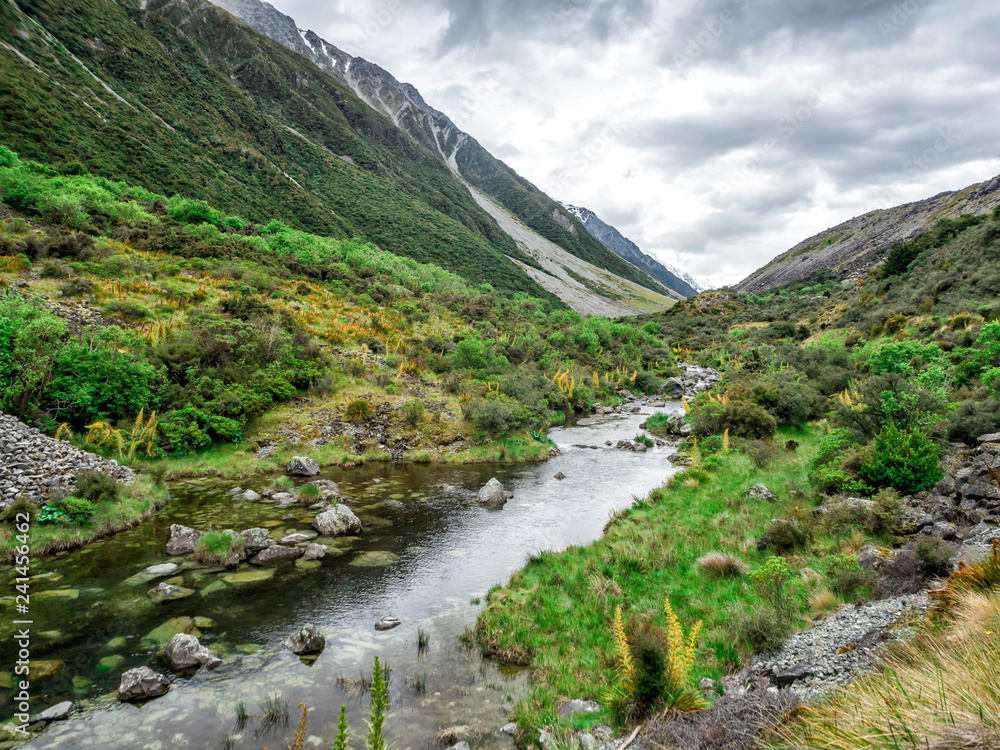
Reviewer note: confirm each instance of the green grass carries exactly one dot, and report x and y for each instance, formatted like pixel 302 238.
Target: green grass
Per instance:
pixel 136 503
pixel 556 613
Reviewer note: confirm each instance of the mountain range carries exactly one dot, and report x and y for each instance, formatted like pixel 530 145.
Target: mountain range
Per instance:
pixel 184 97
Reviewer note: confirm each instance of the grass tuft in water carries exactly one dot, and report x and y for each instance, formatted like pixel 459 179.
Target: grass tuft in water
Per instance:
pixel 423 640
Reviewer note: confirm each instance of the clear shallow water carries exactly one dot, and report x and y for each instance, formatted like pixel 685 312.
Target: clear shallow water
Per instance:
pixel 447 551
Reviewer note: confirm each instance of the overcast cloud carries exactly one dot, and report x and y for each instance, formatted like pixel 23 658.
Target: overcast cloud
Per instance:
pixel 716 134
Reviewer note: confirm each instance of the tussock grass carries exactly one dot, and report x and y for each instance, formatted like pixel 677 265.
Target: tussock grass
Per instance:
pixel 721 564
pixel 940 691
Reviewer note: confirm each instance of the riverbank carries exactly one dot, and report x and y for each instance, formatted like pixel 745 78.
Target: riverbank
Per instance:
pixel 555 615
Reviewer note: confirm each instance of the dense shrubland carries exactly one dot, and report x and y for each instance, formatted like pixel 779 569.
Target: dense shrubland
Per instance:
pixel 219 321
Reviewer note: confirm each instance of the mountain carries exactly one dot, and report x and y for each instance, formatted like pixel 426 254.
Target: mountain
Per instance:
pixel 623 247
pixel 850 248
pixel 436 131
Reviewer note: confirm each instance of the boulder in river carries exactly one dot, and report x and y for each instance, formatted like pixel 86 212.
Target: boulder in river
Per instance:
pixel 140 684
pixel 301 466
pixel 58 712
pixel 387 623
pixel 328 489
pixel 183 539
pixel 166 592
pixel 186 652
pixel 308 640
pixel 337 521
pixel 493 495
pixel 314 552
pixel 250 495
pixel 560 475
pixel 255 539
pixel 672 387
pixel 277 555
pixel 158 571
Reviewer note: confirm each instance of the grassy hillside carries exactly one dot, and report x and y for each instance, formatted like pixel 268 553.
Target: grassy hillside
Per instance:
pixel 119 301
pixel 829 390
pixel 182 98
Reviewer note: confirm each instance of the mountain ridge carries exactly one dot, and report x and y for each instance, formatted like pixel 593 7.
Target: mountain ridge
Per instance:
pixel 853 246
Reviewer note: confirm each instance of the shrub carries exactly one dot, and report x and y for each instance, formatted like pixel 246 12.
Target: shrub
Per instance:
pixel 97 487
pixel 494 417
pixel 77 509
pixel 22 506
pixel 413 412
pixel 906 460
pixel 769 581
pixel 760 629
pixel 722 565
pixel 78 286
pixel 645 440
pixel 934 556
pixel 192 211
pixel 847 577
pixel 761 452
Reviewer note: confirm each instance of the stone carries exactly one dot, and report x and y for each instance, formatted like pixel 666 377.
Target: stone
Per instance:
pixel 760 492
pixel 871 557
pixel 946 486
pixel 314 552
pixel 672 387
pixel 159 637
pixel 785 677
pixel 248 576
pixel 308 640
pixel 578 706
pixel 141 684
pixel 109 663
pixel 782 534
pixel 58 712
pixel 204 622
pixel 295 538
pixel 284 499
pixel 706 685
pixel 250 495
pixel 57 594
pixel 509 729
pixel 492 494
pixel 545 739
pixel 560 475
pixel 387 623
pixel 183 539
pixel 116 644
pixel 212 588
pixel 992 437
pixel 328 489
pixel 587 741
pixel 255 539
pixel 45 669
pixel 301 466
pixel 374 559
pixel 186 652
pixel 165 592
pixel 277 555
pixel 463 745
pixel 161 570
pixel 337 521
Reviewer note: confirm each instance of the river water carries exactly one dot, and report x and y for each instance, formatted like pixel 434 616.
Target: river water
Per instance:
pixel 427 554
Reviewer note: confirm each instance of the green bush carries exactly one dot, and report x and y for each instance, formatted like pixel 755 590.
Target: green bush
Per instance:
pixel 495 417
pixel 413 412
pixel 934 556
pixel 760 629
pixel 192 211
pixel 97 487
pixel 906 460
pixel 847 578
pixel 77 509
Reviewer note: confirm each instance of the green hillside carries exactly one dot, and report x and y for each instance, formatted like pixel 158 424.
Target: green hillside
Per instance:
pixel 181 97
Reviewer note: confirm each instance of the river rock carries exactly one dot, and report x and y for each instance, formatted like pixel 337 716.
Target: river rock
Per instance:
pixel 58 712
pixel 337 521
pixel 328 489
pixel 672 387
pixel 295 538
pixel 560 475
pixel 255 539
pixel 992 437
pixel 165 592
pixel 301 466
pixel 314 552
pixel 186 652
pixel 307 641
pixel 248 576
pixel 277 555
pixel 760 492
pixel 492 494
pixel 140 684
pixel 183 539
pixel 387 623
pixel 250 495
pixel 158 571
pixel 159 637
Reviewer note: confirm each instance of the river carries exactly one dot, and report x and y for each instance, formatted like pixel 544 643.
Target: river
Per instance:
pixel 428 555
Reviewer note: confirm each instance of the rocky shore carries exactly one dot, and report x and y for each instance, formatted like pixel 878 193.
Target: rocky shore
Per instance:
pixel 35 466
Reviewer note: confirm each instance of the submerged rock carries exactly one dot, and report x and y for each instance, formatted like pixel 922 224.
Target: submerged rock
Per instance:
pixel 186 652
pixel 140 684
pixel 374 559
pixel 301 466
pixel 308 640
pixel 160 637
pixel 165 592
pixel 248 576
pixel 337 521
pixel 109 663
pixel 277 555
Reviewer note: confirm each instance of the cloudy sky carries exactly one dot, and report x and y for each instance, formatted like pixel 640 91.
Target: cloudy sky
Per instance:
pixel 714 133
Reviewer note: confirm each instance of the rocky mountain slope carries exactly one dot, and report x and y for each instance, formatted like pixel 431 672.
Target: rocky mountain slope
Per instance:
pixel 436 131
pixel 852 247
pixel 623 247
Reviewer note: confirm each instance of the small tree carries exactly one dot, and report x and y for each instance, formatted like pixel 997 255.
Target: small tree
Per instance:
pixel 906 460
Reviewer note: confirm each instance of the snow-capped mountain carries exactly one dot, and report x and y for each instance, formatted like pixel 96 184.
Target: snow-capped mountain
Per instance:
pixel 623 247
